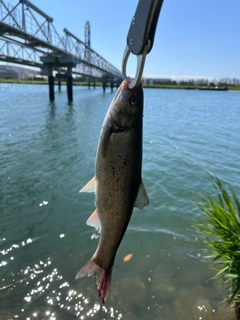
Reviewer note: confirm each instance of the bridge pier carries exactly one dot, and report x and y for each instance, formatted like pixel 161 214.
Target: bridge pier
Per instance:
pixel 59 84
pixel 51 84
pixel 69 84
pixel 55 63
pixel 104 86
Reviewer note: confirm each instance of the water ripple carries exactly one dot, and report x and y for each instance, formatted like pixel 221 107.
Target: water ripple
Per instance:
pixel 48 153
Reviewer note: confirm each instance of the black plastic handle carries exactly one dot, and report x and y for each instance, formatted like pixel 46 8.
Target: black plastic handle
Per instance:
pixel 143 26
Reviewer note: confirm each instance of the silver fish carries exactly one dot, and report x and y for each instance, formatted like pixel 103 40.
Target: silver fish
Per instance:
pixel 117 182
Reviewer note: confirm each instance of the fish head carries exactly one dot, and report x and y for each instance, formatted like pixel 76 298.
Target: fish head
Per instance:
pixel 127 107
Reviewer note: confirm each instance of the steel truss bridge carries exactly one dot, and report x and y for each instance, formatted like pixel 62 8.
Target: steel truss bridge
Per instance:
pixel 28 37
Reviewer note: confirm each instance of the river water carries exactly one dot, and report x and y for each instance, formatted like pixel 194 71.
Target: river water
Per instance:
pixel 47 153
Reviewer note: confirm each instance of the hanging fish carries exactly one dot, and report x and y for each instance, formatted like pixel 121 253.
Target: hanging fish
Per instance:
pixel 117 182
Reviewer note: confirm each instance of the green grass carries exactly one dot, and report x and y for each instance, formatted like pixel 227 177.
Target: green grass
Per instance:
pixel 2 80
pixel 63 82
pixel 220 225
pixel 230 87
pixel 168 86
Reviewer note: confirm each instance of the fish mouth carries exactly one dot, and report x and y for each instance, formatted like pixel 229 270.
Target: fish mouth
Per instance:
pixel 127 82
pixel 125 87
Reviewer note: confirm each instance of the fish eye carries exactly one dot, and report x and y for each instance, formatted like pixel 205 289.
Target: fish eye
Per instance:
pixel 133 101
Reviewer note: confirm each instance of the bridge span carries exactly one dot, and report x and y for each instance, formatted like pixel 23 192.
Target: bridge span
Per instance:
pixel 28 37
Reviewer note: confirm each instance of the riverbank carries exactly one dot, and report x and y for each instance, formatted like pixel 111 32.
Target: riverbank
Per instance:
pixel 152 86
pixel 192 87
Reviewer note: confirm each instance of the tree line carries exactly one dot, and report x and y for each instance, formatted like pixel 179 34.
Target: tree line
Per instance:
pixel 200 82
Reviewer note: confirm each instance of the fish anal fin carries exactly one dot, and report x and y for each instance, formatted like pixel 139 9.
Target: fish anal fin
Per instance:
pixel 90 186
pixel 94 221
pixel 142 197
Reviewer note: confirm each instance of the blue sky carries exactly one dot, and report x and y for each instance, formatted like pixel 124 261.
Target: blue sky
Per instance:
pixel 194 38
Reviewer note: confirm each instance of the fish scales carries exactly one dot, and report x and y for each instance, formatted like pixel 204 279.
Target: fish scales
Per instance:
pixel 117 183
pixel 120 176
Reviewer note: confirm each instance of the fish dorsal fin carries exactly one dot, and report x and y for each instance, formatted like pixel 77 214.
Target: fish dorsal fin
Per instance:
pixel 105 141
pixel 142 197
pixel 94 221
pixel 90 186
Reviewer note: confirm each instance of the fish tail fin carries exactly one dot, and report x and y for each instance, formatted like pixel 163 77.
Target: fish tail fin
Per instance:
pixel 103 277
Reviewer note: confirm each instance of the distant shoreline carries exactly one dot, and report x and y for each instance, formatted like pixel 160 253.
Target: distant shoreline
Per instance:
pixel 152 86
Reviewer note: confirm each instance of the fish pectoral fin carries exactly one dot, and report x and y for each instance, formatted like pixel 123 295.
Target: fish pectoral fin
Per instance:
pixel 142 197
pixel 94 221
pixel 90 186
pixel 105 141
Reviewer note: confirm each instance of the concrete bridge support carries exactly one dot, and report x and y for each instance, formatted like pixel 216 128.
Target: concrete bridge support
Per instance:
pixel 51 84
pixel 59 84
pixel 69 84
pixel 104 85
pixel 60 62
pixel 93 84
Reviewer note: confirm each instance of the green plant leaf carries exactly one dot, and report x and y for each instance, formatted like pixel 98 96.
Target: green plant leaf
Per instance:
pixel 220 225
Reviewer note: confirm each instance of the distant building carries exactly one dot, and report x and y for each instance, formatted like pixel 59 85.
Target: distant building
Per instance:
pixel 5 72
pixel 14 72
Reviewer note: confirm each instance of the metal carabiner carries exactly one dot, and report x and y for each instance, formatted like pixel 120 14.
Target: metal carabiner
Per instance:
pixel 140 64
pixel 141 34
